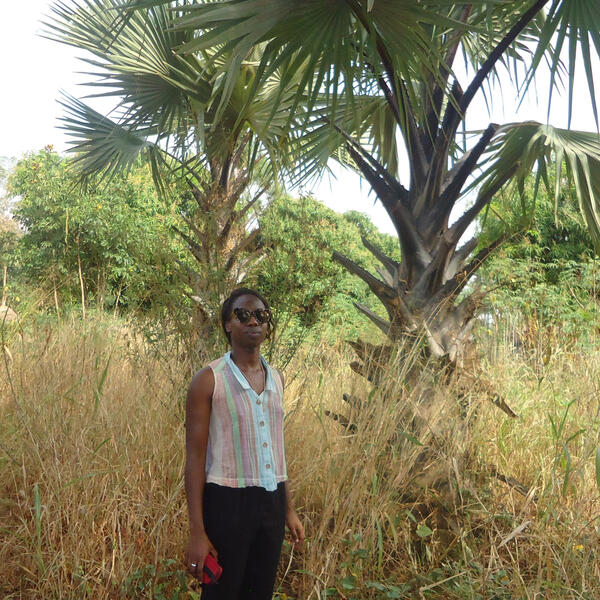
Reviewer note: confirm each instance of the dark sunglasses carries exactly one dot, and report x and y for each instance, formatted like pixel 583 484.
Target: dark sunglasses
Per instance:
pixel 262 315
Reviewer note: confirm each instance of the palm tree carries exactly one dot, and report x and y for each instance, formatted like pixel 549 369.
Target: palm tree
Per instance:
pixel 379 74
pixel 170 112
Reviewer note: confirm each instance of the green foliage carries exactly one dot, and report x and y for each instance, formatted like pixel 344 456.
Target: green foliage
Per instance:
pixel 217 142
pixel 397 63
pixel 547 270
pixel 127 243
pixel 9 235
pixel 165 581
pixel 115 234
pixel 343 315
pixel 298 273
pixel 303 283
pixel 9 230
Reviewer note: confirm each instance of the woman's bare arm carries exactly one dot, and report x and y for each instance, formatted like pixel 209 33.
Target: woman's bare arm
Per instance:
pixel 197 419
pixel 291 519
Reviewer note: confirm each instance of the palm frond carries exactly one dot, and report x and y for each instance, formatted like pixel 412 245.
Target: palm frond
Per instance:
pixel 366 121
pixel 530 146
pixel 105 147
pixel 139 65
pixel 576 24
pixel 332 41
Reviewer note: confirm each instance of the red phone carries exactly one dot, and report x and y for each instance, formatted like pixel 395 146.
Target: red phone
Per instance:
pixel 212 570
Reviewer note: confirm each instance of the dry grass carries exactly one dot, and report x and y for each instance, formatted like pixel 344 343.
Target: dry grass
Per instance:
pixel 404 505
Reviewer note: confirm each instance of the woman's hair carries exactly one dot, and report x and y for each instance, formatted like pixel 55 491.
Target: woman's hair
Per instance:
pixel 227 309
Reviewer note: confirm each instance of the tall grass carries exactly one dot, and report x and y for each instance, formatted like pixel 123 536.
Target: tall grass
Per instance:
pixel 416 497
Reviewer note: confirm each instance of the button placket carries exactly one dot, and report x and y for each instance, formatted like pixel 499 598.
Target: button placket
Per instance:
pixel 267 456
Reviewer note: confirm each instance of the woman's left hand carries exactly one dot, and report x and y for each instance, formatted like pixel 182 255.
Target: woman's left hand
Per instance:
pixel 295 526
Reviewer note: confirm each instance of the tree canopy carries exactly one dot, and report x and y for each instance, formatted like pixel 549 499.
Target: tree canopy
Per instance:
pixel 114 240
pixel 222 145
pixel 358 79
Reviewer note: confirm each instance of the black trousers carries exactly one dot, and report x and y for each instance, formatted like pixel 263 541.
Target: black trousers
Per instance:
pixel 246 526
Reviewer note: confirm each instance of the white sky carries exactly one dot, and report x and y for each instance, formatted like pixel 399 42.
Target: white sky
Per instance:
pixel 35 69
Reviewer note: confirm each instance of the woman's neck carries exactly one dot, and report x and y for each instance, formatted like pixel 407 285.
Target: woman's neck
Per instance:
pixel 246 358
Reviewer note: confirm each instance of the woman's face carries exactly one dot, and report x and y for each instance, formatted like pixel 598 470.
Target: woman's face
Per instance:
pixel 252 332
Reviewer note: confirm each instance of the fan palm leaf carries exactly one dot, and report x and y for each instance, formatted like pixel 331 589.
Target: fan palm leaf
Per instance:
pixel 168 97
pixel 103 146
pixel 575 24
pixel 531 146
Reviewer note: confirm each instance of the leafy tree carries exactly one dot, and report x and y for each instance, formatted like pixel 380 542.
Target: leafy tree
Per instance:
pixel 128 247
pixel 9 235
pixel 311 294
pixel 546 272
pixel 105 244
pixel 9 230
pixel 378 71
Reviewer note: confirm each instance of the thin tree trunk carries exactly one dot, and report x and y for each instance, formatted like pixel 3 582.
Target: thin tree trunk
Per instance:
pixel 5 275
pixel 56 298
pixel 116 309
pixel 81 283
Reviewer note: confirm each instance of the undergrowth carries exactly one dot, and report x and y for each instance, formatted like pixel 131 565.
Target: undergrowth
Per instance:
pixel 420 490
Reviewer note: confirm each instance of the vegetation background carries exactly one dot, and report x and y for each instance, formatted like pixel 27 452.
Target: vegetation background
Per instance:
pixel 415 482
pixel 414 499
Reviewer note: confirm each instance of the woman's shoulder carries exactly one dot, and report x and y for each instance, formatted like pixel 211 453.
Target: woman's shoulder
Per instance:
pixel 218 364
pixel 207 376
pixel 203 382
pixel 277 375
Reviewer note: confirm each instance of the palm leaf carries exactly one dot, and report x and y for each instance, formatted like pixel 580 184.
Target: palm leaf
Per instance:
pixel 532 145
pixel 575 23
pixel 332 40
pixel 366 121
pixel 138 66
pixel 105 147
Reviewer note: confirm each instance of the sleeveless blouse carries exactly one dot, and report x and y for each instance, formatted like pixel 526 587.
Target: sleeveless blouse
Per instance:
pixel 245 439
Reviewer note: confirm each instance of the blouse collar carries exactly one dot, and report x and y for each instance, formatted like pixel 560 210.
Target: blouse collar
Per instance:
pixel 269 383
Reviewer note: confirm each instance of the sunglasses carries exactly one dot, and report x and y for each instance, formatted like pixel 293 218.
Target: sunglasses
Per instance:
pixel 262 315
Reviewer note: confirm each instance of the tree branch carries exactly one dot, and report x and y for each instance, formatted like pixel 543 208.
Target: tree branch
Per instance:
pixel 225 173
pixel 384 325
pixel 413 248
pixel 459 175
pixel 454 286
pixel 237 216
pixel 241 246
pixel 438 163
pixel 240 149
pixel 426 284
pixel 437 97
pixel 469 216
pixel 389 263
pixel 375 165
pixel 378 287
pixel 459 257
pixel 413 141
pixel 497 53
pixel 196 249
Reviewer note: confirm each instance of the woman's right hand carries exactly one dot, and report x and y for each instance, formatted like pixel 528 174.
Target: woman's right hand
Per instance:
pixel 199 547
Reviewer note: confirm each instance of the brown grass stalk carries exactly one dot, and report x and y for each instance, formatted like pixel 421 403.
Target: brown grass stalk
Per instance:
pixel 403 504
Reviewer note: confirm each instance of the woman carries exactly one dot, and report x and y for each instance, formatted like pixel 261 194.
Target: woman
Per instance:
pixel 235 476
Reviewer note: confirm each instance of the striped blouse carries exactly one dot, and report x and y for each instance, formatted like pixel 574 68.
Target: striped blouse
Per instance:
pixel 245 439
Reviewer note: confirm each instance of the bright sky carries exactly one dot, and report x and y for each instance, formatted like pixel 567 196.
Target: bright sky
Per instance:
pixel 35 69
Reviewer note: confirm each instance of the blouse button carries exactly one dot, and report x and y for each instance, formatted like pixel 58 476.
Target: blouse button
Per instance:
pixel 265 444
pixel 262 423
pixel 258 402
pixel 268 466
